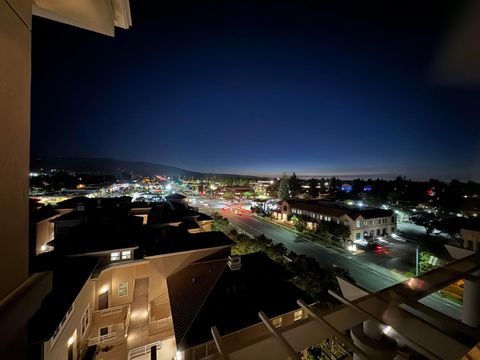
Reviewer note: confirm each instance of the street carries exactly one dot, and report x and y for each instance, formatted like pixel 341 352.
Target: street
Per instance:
pixel 364 268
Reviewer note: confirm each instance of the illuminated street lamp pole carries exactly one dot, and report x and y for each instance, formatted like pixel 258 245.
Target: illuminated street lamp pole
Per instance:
pixel 416 260
pixel 212 187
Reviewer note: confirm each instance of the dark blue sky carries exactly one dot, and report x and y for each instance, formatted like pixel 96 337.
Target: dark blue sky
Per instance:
pixel 259 88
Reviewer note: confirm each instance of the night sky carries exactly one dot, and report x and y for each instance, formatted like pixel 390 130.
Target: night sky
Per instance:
pixel 254 87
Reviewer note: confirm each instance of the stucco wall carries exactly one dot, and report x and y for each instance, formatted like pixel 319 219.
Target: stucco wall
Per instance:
pixel 15 37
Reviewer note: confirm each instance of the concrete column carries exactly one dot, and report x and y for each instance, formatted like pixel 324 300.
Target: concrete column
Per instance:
pixel 369 337
pixel 471 301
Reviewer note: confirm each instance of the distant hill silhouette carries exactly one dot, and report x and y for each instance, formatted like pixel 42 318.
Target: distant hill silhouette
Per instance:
pixel 113 166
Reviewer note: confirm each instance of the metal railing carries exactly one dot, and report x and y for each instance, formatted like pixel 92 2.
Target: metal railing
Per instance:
pixel 143 350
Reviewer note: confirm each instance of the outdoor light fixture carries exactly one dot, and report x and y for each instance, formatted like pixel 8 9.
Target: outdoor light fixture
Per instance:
pixel 387 330
pixel 179 355
pixel 104 289
pixel 70 341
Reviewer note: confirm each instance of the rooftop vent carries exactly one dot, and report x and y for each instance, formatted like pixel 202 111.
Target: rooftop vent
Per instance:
pixel 235 262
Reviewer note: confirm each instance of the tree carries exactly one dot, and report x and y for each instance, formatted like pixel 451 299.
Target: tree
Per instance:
pixel 295 187
pixel 426 262
pixel 284 188
pixel 427 221
pixel 313 191
pixel 228 195
pixel 301 225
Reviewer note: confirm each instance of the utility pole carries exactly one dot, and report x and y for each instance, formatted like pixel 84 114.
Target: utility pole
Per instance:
pixel 416 260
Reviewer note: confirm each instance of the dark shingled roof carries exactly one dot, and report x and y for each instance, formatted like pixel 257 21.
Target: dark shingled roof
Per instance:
pixel 166 241
pixel 238 296
pixel 82 200
pixel 203 217
pixel 337 210
pixel 175 196
pixel 69 277
pixel 91 237
pixel 188 290
pixel 38 215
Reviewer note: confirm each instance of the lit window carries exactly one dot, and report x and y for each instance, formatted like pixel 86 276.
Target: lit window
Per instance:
pixel 277 322
pixel 123 289
pixel 298 315
pixel 114 256
pixel 126 254
pixel 357 224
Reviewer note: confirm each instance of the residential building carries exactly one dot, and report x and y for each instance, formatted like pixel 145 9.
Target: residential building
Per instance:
pixel 364 222
pixel 121 287
pixel 470 233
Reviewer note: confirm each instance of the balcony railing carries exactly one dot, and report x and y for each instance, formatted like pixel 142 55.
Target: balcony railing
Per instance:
pixel 111 311
pixel 102 339
pixel 143 350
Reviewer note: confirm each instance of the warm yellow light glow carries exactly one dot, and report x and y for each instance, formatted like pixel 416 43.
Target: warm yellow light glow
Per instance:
pixel 70 341
pixel 104 289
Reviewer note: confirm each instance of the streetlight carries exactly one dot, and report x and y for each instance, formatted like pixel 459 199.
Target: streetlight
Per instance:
pixel 212 187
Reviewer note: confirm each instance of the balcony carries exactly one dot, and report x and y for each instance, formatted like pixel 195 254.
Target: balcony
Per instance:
pixel 109 326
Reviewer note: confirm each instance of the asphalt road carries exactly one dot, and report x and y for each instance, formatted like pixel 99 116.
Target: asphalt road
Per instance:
pixel 367 273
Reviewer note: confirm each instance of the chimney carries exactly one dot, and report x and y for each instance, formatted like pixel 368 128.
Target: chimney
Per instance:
pixel 235 262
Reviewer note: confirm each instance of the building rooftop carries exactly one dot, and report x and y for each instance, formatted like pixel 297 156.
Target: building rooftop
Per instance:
pixel 69 277
pixel 234 300
pixel 175 196
pixel 100 236
pixel 172 240
pixel 336 209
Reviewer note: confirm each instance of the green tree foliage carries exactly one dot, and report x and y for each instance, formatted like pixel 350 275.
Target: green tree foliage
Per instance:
pixel 248 194
pixel 284 188
pixel 228 195
pixel 331 231
pixel 295 187
pixel 313 191
pixel 426 262
pixel 300 224
pixel 308 275
pixel 219 223
pixel 428 221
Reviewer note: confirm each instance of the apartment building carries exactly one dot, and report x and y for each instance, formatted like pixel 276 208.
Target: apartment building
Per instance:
pixel 364 222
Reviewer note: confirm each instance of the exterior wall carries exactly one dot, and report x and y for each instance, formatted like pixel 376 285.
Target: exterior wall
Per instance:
pixel 377 225
pixel 15 37
pixel 206 225
pixel 59 351
pixel 44 233
pixel 110 278
pixel 471 238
